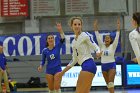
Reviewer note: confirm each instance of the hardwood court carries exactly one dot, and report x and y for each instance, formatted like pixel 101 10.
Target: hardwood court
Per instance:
pixel 71 91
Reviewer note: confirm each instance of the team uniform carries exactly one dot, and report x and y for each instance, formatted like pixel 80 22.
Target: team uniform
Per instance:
pixel 53 58
pixel 134 38
pixel 4 75
pixel 82 52
pixel 107 57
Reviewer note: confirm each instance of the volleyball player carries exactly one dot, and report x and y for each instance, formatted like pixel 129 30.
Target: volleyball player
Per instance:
pixel 108 48
pixel 81 46
pixel 134 36
pixel 53 67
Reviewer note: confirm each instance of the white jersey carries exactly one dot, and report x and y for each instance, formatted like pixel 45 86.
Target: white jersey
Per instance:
pixel 107 52
pixel 134 38
pixel 82 48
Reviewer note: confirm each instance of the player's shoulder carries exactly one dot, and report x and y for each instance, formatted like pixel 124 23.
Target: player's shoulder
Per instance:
pixel 87 34
pixel 44 49
pixel 133 32
pixel 84 35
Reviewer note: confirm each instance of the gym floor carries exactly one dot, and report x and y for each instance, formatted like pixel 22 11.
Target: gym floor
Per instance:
pixel 39 90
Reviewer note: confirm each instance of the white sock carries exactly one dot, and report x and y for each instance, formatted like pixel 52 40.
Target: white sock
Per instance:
pixel 58 91
pixel 51 91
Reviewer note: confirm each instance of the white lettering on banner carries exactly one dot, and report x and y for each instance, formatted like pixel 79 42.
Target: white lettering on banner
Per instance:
pixel 37 44
pixel 134 74
pixel 29 46
pixel 71 75
pixel 68 44
pixel 5 44
pixel 33 44
pixel 20 46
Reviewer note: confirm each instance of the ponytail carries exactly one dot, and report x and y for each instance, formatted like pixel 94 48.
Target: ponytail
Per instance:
pixel 136 17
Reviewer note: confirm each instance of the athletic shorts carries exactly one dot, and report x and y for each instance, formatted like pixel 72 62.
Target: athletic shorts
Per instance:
pixel 89 66
pixel 107 66
pixel 54 70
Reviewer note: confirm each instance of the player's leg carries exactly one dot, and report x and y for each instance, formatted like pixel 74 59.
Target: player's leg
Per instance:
pixel 50 81
pixel 57 83
pixel 86 76
pixel 84 82
pixel 105 72
pixel 109 71
pixel 0 81
pixel 6 82
pixel 105 75
pixel 111 74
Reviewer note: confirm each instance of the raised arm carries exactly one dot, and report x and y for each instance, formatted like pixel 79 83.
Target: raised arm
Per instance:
pixel 98 36
pixel 60 30
pixel 115 43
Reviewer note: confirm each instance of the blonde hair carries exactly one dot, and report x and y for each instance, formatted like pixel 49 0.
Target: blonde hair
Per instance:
pixel 70 22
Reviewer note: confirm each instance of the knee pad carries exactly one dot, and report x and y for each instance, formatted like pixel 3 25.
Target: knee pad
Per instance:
pixel 110 85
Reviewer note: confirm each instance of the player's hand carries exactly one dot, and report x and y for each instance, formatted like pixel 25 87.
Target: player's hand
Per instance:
pixel 58 76
pixel 2 71
pixel 40 68
pixel 59 27
pixel 98 55
pixel 95 25
pixel 118 24
pixel 135 60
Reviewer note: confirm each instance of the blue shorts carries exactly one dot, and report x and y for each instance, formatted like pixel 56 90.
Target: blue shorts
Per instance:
pixel 107 66
pixel 89 65
pixel 54 70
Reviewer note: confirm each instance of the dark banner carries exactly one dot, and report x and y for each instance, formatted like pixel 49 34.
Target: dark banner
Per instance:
pixel 32 44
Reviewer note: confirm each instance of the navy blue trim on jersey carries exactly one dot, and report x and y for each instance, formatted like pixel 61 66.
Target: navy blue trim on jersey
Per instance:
pixel 62 40
pixel 91 39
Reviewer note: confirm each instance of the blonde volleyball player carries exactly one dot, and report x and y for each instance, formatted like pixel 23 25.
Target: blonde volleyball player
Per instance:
pixel 108 48
pixel 53 67
pixel 81 46
pixel 134 36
